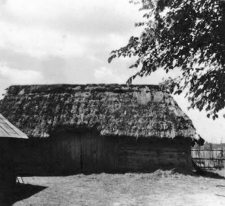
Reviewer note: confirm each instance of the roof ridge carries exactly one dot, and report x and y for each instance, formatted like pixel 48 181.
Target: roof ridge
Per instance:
pixel 62 88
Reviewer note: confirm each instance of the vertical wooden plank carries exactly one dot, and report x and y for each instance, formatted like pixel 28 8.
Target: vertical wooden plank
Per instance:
pixel 67 154
pixel 79 152
pixel 59 151
pixel 56 166
pixel 99 152
pixel 87 153
pixel 82 154
pixel 75 153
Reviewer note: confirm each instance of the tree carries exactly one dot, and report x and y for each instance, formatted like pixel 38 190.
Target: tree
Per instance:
pixel 184 34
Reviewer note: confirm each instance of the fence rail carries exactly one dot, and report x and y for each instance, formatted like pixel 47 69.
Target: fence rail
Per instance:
pixel 199 158
pixel 209 159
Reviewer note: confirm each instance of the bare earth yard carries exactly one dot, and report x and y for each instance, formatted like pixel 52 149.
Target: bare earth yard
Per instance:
pixel 158 188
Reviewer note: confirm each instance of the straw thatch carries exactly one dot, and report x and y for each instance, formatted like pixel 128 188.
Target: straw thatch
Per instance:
pixel 136 110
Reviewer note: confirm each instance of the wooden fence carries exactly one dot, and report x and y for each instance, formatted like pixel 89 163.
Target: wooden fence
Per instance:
pixel 209 159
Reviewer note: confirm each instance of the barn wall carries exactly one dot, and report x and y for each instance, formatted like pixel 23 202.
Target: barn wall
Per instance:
pixel 31 157
pixel 65 153
pixel 88 152
pixel 148 155
pixel 82 153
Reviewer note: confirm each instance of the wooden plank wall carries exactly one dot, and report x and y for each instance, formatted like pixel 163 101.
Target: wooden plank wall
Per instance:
pixel 147 155
pixel 82 153
pixel 72 153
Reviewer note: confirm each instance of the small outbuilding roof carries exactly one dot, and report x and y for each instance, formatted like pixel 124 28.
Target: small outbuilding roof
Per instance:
pixel 112 109
pixel 9 130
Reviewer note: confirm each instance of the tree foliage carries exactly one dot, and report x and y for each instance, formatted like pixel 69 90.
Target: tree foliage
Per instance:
pixel 184 34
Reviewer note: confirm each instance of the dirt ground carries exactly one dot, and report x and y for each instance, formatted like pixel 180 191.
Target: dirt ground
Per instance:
pixel 165 188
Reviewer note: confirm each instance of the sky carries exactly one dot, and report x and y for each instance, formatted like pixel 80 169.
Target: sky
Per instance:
pixel 67 41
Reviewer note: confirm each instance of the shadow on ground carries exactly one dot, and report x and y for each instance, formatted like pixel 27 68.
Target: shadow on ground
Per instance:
pixel 209 174
pixel 24 191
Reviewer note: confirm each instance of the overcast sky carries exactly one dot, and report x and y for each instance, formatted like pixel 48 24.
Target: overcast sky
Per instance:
pixel 68 41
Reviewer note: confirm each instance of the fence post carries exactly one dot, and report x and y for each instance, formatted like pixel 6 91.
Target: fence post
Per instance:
pixel 209 158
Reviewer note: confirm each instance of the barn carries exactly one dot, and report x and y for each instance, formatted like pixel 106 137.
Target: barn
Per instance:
pixel 97 128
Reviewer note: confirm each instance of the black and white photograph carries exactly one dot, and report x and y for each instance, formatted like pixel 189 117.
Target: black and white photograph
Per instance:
pixel 112 103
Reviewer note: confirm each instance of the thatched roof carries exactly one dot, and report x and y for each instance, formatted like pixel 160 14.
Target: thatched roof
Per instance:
pixel 136 110
pixel 7 130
